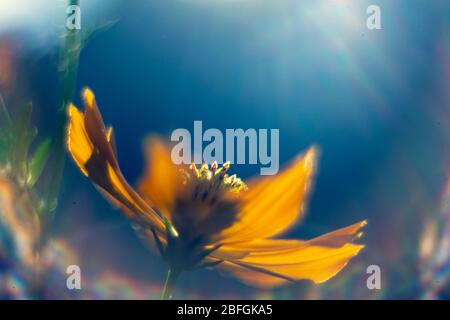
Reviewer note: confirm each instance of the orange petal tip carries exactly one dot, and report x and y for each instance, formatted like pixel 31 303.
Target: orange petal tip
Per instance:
pixel 310 157
pixel 88 97
pixel 71 108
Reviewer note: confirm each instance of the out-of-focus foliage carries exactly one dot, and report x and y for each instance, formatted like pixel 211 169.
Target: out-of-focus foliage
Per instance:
pixel 24 215
pixel 20 163
pixel 30 175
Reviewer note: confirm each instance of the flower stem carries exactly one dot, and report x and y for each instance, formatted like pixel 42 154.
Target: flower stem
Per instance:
pixel 69 59
pixel 171 278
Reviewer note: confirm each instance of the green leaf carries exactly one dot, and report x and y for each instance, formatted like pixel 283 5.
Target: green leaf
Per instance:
pixel 22 134
pixel 5 133
pixel 4 152
pixel 96 29
pixel 23 118
pixel 5 119
pixel 37 162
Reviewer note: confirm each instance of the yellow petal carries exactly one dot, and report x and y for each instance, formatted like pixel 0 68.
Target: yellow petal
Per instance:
pixel 89 144
pixel 252 278
pixel 334 239
pixel 318 270
pixel 111 139
pixel 115 202
pixel 273 204
pixel 341 236
pixel 78 143
pixel 260 245
pixel 272 262
pixel 161 180
pixel 307 263
pixel 95 128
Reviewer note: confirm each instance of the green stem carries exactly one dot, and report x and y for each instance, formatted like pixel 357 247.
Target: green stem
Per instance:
pixel 69 59
pixel 171 278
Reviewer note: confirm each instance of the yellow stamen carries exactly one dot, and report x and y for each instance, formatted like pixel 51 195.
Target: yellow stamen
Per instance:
pixel 194 170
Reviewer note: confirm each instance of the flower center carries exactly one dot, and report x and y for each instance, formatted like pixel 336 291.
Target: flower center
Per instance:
pixel 209 183
pixel 209 201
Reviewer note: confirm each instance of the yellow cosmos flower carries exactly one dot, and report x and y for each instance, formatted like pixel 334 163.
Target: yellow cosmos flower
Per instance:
pixel 203 217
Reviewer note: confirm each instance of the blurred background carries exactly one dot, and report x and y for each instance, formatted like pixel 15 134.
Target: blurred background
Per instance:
pixel 376 102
